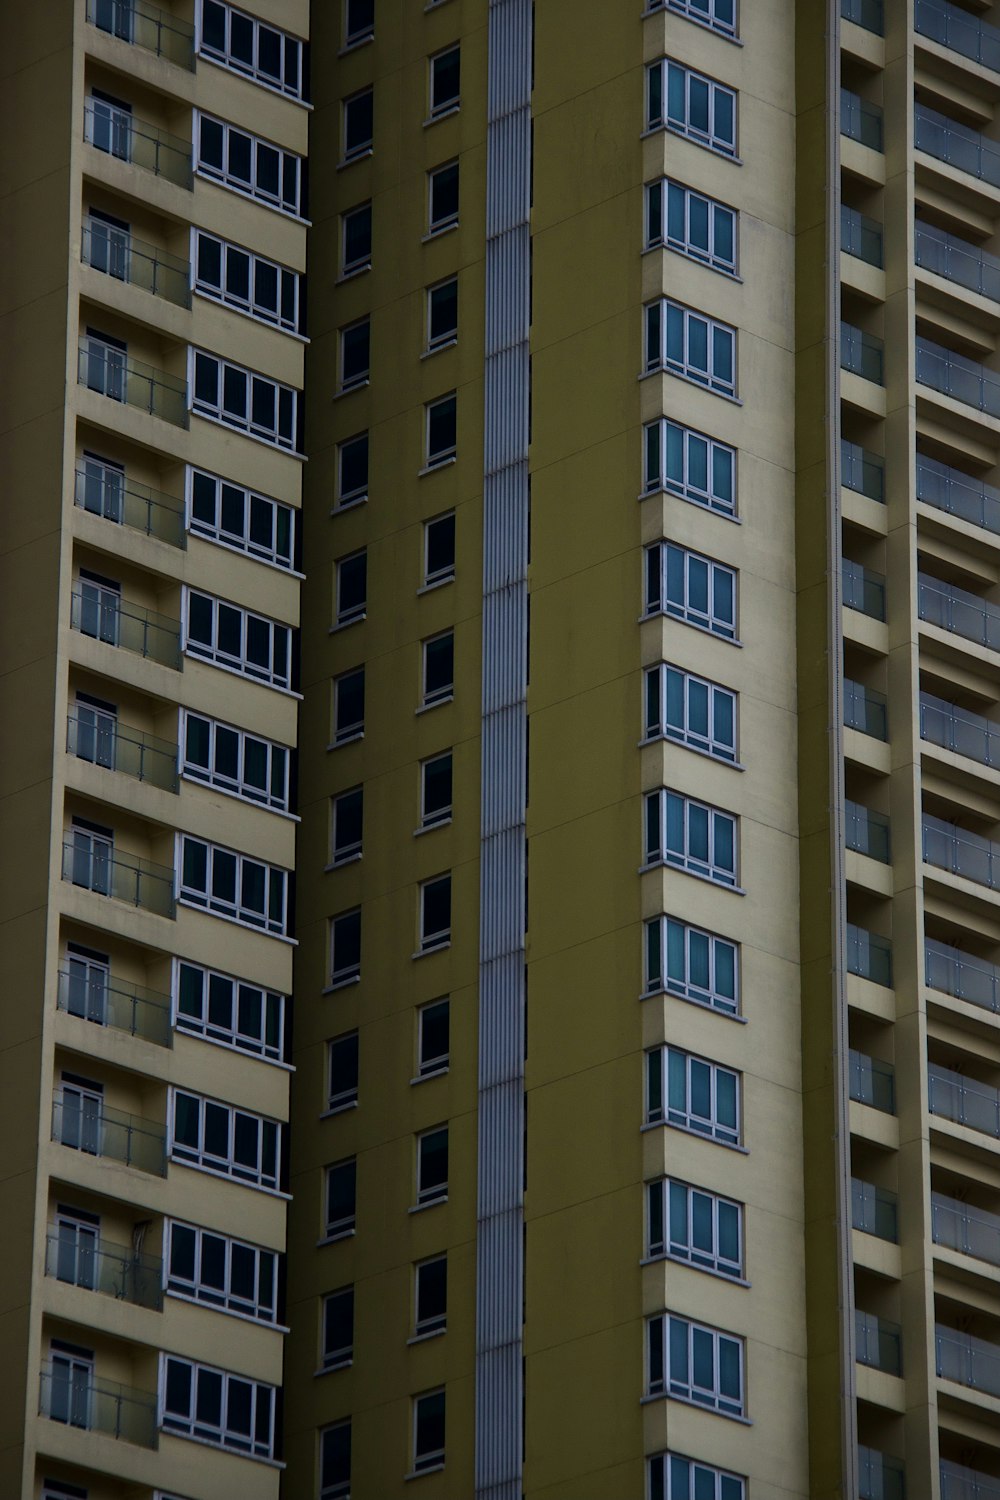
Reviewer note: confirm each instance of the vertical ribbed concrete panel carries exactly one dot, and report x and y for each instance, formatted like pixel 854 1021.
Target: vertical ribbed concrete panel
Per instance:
pixel 499 1268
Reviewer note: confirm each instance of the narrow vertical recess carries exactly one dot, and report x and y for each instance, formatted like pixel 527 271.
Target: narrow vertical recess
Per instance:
pixel 499 1258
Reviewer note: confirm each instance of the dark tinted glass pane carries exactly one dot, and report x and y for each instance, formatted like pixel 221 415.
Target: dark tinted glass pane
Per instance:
pixel 213 1261
pixel 347 941
pixel 213 26
pixel 440 660
pixel 261 522
pixel 220 1001
pixel 241 39
pixel 341 1191
pixel 233 511
pixel 443 311
pixel 216 1131
pixel 206 379
pixel 243 1272
pixel 433 1159
pixel 196 744
pixel 445 76
pixel 344 1065
pixel 227 753
pixel 246 1137
pixel 348 815
pixel 240 151
pixel 238 275
pixel 444 194
pixel 224 877
pixel 182 1246
pixel 263 414
pixel 265 286
pixel 335 1456
pixel 195 865
pixel 255 763
pixel 360 17
pixel 432 1290
pixel 187 1117
pixel 268 170
pixel 358 236
pixel 434 1029
pixel 209 261
pixel 269 52
pixel 211 151
pixel 441 428
pixel 358 115
pixel 351 700
pixel 203 496
pixel 354 465
pixel 353 582
pixel 252 887
pixel 178 1395
pixel 230 630
pixel 234 392
pixel 338 1322
pixel 356 342
pixel 239 1406
pixel 258 642
pixel 251 1002
pixel 430 1423
pixel 440 546
pixel 191 991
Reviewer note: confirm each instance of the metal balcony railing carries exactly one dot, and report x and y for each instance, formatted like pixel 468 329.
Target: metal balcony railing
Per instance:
pixel 123 877
pixel 108 492
pixel 110 1133
pixel 861 353
pixel 967 1360
pixel 863 590
pixel 960 974
pixel 97 1405
pixel 130 626
pixel 958 494
pixel 954 28
pixel 107 1000
pixel 955 144
pixel 144 26
pixel 865 710
pixel 868 955
pixel 878 1343
pixel 960 1483
pixel 866 13
pixel 960 731
pixel 953 375
pixel 99 1266
pixel 970 1231
pixel 872 1082
pixel 103 741
pixel 873 1210
pixel 119 133
pixel 948 847
pixel 119 254
pixel 862 471
pixel 955 609
pixel 112 372
pixel 859 120
pixel 952 1096
pixel 860 236
pixel 879 1477
pixel 946 255
pixel 866 831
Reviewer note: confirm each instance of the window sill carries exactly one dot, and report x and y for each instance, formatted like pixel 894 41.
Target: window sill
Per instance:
pixel 698 260
pixel 426 1077
pixel 225 791
pixel 223 666
pixel 438 231
pixel 338 864
pixel 663 10
pixel 350 273
pixel 696 1134
pixel 712 510
pixel 354 158
pixel 254 437
pixel 427 952
pixel 419 1208
pixel 338 1109
pixel 344 1364
pixel 678 1260
pixel 685 135
pixel 435 583
pixel 666 864
pixel 351 503
pixel 690 380
pixel 257 1187
pixel 247 312
pixel 431 1468
pixel 430 827
pixel 221 916
pixel 426 708
pixel 346 624
pixel 669 739
pixel 357 44
pixel 231 187
pixel 348 390
pixel 441 463
pixel 341 984
pixel 349 739
pixel 698 1406
pixel 333 1239
pixel 666 614
pixel 449 343
pixel 664 994
pixel 421 1338
pixel 443 113
pixel 228 1312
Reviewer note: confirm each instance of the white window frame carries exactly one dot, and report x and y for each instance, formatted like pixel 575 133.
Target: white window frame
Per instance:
pixel 434 1457
pixel 712 1125
pixel 438 815
pixel 223 1299
pixel 438 111
pixel 352 497
pixel 431 1066
pixel 218 1435
pixel 659 979
pixel 341 1489
pixel 725 1485
pixel 658 198
pixel 335 1359
pixel 275 676
pixel 682 125
pixel 674 1384
pixel 440 575
pixel 356 730
pixel 702 13
pixel 213 530
pixel 282 433
pixel 276 800
pixel 226 60
pixel 337 1227
pixel 439 1321
pixel 439 694
pixel 249 305
pixel 658 726
pixel 353 382
pixel 661 1196
pixel 658 600
pixel 208 1028
pixel 289 164
pixel 345 1097
pixel 718 459
pixel 718 823
pixel 717 335
pixel 435 1192
pixel 198 1156
pixel 441 340
pixel 366 32
pixel 440 937
pixel 355 153
pixel 273 919
pixel 351 268
pixel 437 226
pixel 444 454
pixel 351 972
pixel 355 613
pixel 344 856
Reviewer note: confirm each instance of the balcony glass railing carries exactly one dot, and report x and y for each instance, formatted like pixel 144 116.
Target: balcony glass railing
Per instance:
pixel 111 371
pixel 866 13
pixel 872 1082
pixel 954 28
pixel 877 1343
pixel 955 144
pixel 970 1231
pixel 110 493
pixel 860 236
pixel 144 26
pixel 863 590
pixel 948 847
pixel 119 254
pixel 952 1096
pixel 962 975
pixel 862 471
pixel 116 131
pixel 866 831
pixel 946 255
pixel 955 609
pixel 953 375
pixel 958 730
pixel 123 877
pixel 102 1131
pixel 860 121
pixel 102 740
pixel 879 1477
pixel 67 1395
pixel 868 955
pixel 958 494
pixel 960 1483
pixel 103 998
pixel 865 710
pixel 967 1360
pixel 861 353
pixel 873 1210
pixel 97 1265
pixel 130 626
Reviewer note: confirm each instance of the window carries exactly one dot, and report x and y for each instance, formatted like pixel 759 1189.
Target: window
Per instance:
pixel 691 836
pixel 696 106
pixel 343 1071
pixel 199 1401
pixel 93 732
pixel 672 1477
pixel 68 1393
pixel 341 1197
pixel 73 1250
pixel 691 465
pixel 108 125
pixel 355 354
pixel 251 403
pixel 359 21
pixel 221 1272
pixel 100 487
pixel 78 1116
pixel 356 239
pixel 692 964
pixel 695 1363
pixel 442 197
pixel 439 549
pixel 688 1223
pixel 246 281
pixel 57 1489
pixel 348 815
pixel 97 610
pixel 439 668
pixel 250 46
pixel 691 588
pixel 691 710
pixel 432 1165
pixel 107 244
pixel 233 637
pixel 85 984
pixel 89 857
pixel 337 1329
pixel 223 1139
pixel 435 913
pixel 234 885
pixel 349 706
pixel 104 365
pixel 689 222
pixel 692 1094
pixel 433 1026
pixel 234 1012
pixel 345 947
pixel 721 16
pixel 335 1462
pixel 691 345
pixel 236 762
pixel 358 124
pixel 428 1431
pixel 430 1295
pixel 236 517
pixel 441 430
pixel 249 165
pixel 445 76
pixel 442 313
pixel 352 464
pixel 435 790
pixel 352 588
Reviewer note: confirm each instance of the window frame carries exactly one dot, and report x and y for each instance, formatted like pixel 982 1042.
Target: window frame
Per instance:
pixel 249 306
pixel 290 166
pixel 364 262
pixel 712 1126
pixel 202 1159
pixel 660 1200
pixel 362 148
pixel 663 314
pixel 661 1344
pixel 364 34
pixel 433 1458
pixel 355 613
pixel 658 934
pixel 278 677
pixel 448 220
pixel 661 119
pixel 344 1098
pixel 348 973
pixel 443 814
pixel 225 60
pixel 658 583
pixel 446 691
pixel 338 1489
pixel 352 850
pixel 430 1067
pixel 450 336
pixel 274 800
pixel 335 1228
pixel 664 187
pixel 719 823
pixel 344 499
pixel 273 920
pixel 428 1194
pixel 282 434
pixel 450 105
pixel 355 730
pixel 439 937
pixel 656 467
pixel 686 8
pixel 657 724
pixel 362 376
pixel 340 1357
pixel 197 1428
pixel 437 458
pixel 208 1028
pixel 214 531
pixel 224 1299
pixel 725 1484
pixel 437 1322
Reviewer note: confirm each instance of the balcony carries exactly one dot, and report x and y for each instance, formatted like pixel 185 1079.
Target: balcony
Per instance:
pixel 860 236
pixel 877 1343
pixel 954 609
pixel 862 471
pixel 956 145
pixel 953 375
pixel 958 730
pixel 865 13
pixel 956 260
pixel 967 1360
pixel 101 740
pixel 948 847
pixel 122 877
pixel 958 494
pixel 872 1082
pixel 860 121
pixel 110 371
pixel 873 1210
pixel 954 28
pixel 863 590
pixel 117 131
pixel 97 1405
pixel 879 1477
pixel 952 1096
pixel 959 974
pixel 960 1483
pixel 98 1130
pixel 861 353
pixel 144 26
pixel 970 1231
pixel 105 616
pixel 105 491
pixel 100 1266
pixel 865 710
pixel 866 832
pixel 117 253
pixel 868 955
pixel 102 998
